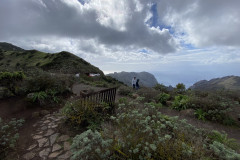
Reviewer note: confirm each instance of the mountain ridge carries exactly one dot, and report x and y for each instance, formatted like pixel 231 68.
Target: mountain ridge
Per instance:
pixel 226 82
pixel 146 79
pixel 13 57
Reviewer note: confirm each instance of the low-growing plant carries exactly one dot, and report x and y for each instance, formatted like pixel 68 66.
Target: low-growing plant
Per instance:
pixel 200 114
pixel 142 132
pixel 8 135
pixel 162 98
pixel 125 91
pixel 83 113
pixel 45 97
pixel 180 102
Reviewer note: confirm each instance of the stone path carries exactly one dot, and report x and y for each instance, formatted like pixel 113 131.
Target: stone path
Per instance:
pixel 48 143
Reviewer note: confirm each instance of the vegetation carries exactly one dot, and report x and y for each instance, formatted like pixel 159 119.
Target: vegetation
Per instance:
pixel 8 135
pixel 142 132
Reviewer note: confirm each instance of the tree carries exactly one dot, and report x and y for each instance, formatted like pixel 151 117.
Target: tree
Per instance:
pixel 180 88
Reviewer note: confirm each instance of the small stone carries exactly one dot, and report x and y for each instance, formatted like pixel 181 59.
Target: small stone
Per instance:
pixel 63 138
pixel 56 147
pixel 47 121
pixel 31 147
pixel 45 112
pixel 29 155
pixel 46 144
pixel 55 154
pixel 42 141
pixel 67 146
pixel 44 128
pixel 53 138
pixel 44 153
pixel 37 137
pixel 49 132
pixel 67 155
pixel 54 126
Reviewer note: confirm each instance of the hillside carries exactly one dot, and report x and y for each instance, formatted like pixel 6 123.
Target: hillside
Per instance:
pixel 146 79
pixel 9 47
pixel 12 58
pixel 228 83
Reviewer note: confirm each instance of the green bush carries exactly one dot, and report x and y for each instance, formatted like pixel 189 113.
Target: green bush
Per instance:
pixel 85 113
pixel 214 107
pixel 8 135
pixel 148 93
pixel 125 91
pixel 142 132
pixel 10 80
pixel 200 114
pixel 180 88
pixel 180 102
pixel 44 97
pixel 162 98
pixel 161 87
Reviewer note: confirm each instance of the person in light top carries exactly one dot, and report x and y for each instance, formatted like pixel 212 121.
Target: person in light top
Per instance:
pixel 134 82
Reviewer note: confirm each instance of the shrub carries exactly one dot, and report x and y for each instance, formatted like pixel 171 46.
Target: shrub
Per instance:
pixel 180 102
pixel 44 97
pixel 200 114
pixel 8 135
pixel 162 98
pixel 148 93
pixel 180 88
pixel 10 80
pixel 161 87
pixel 142 132
pixel 85 113
pixel 125 91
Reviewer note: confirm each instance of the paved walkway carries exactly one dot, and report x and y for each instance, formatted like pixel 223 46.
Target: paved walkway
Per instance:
pixel 48 143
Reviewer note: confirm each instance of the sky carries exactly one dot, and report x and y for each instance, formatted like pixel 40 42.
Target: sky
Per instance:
pixel 179 41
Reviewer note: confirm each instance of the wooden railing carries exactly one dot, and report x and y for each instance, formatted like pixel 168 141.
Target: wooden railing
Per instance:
pixel 106 96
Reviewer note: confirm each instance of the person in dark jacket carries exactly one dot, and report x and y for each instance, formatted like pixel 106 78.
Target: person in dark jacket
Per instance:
pixel 137 84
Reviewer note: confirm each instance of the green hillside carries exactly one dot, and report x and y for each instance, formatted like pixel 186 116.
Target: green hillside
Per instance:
pixel 9 47
pixel 63 62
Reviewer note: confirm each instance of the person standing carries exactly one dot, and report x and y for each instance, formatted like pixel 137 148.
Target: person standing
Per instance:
pixel 137 84
pixel 134 82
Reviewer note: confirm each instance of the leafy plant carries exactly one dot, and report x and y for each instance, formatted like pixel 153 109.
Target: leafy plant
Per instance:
pixel 8 135
pixel 200 114
pixel 180 102
pixel 125 91
pixel 162 98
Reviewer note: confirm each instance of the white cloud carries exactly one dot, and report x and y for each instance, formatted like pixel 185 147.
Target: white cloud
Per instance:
pixel 204 23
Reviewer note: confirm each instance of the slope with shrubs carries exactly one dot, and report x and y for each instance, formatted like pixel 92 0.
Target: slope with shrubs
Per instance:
pixel 62 62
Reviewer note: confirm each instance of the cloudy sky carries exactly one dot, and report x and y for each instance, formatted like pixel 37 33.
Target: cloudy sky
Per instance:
pixel 176 40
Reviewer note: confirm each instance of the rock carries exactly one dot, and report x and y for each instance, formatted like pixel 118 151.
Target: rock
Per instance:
pixel 53 138
pixel 44 112
pixel 187 112
pixel 46 144
pixel 49 132
pixel 63 138
pixel 35 114
pixel 55 154
pixel 47 121
pixel 37 137
pixel 56 147
pixel 67 155
pixel 31 147
pixel 67 146
pixel 44 128
pixel 53 126
pixel 29 155
pixel 42 141
pixel 44 153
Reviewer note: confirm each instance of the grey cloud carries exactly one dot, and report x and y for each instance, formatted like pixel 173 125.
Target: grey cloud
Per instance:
pixel 43 18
